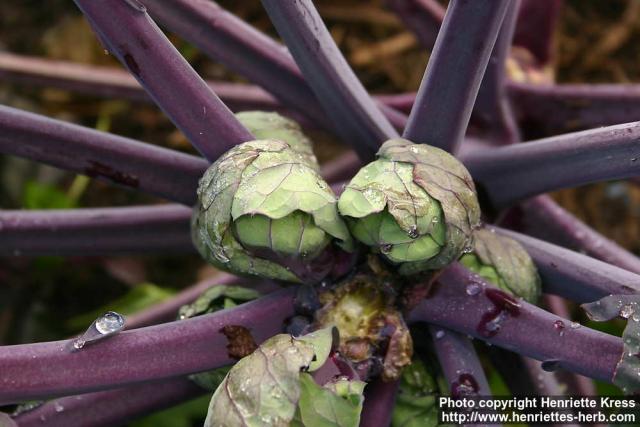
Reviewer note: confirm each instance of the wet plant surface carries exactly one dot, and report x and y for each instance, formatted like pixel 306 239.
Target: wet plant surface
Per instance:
pixel 62 277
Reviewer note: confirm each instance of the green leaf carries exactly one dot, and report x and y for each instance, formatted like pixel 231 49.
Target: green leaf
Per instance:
pixel 416 400
pixel 263 388
pixel 505 263
pixel 337 404
pixel 217 297
pixel 44 196
pixel 627 372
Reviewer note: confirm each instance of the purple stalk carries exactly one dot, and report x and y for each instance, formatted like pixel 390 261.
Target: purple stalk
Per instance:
pixel 230 40
pixel 112 407
pixel 110 82
pixel 167 311
pixel 543 218
pixel 524 376
pixel 422 17
pixel 379 400
pixel 553 109
pixel 165 173
pixel 492 110
pixel 128 32
pixel 460 364
pixel 575 276
pixel 89 232
pixel 445 99
pixel 401 101
pixel 536 28
pixel 525 329
pixel 341 169
pixel 514 172
pixel 344 99
pixel 131 357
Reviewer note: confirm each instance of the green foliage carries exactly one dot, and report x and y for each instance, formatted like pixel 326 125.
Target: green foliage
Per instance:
pixel 263 389
pixel 37 195
pixel 505 263
pixel 416 399
pixel 337 404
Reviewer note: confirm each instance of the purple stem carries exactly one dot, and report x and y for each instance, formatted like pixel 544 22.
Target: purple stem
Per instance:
pixel 524 376
pixel 575 384
pixel 344 99
pixel 492 111
pixel 517 171
pixel 422 17
pixel 112 407
pixel 575 276
pixel 536 23
pixel 239 46
pixel 165 173
pixel 536 27
pixel 400 101
pixel 553 109
pixel 126 29
pixel 244 49
pixel 445 99
pixel 132 357
pixel 111 82
pixel 379 400
pixel 525 329
pixel 543 218
pixel 460 364
pixel 167 311
pixel 89 232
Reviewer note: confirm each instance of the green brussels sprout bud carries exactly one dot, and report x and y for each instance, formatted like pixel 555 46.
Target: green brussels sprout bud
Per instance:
pixel 415 204
pixel 268 125
pixel 371 328
pixel 505 263
pixel 262 210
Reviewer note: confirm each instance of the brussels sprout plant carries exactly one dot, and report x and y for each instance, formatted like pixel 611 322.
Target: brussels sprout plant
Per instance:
pixel 363 281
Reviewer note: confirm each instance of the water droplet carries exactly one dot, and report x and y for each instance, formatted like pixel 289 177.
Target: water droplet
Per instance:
pixel 439 334
pixel 109 322
pixel 473 289
pixel 467 249
pixel 58 407
pixel 104 326
pixel 635 317
pixel 575 325
pixel 414 149
pixel 413 232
